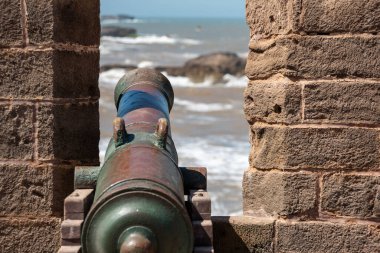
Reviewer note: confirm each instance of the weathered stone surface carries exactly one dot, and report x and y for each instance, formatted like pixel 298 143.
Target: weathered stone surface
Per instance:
pixel 325 237
pixel 273 102
pixel 349 195
pixel 68 132
pixel 332 16
pixel 278 193
pixel 352 102
pixel 10 23
pixel 16 132
pixel 29 235
pixel 376 203
pixel 63 21
pixel 274 17
pixel 31 190
pixel 315 57
pixel 267 17
pixel 303 147
pixel 243 234
pixel 71 229
pixel 76 73
pixel 48 74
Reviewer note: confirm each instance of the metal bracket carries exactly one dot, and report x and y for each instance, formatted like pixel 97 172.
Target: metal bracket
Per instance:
pixel 78 203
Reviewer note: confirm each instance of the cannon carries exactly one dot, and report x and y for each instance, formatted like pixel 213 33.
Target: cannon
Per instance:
pixel 139 204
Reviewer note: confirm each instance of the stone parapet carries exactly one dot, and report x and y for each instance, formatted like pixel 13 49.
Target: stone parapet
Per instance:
pixel 318 56
pixel 271 17
pixel 49 68
pixel 29 234
pixel 313 105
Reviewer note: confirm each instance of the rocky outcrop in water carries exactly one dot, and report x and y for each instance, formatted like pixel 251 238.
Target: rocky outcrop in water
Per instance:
pixel 211 66
pixel 116 31
pixel 214 65
pixel 117 17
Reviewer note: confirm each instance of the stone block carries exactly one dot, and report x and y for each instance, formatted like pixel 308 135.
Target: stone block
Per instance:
pixel 347 102
pixel 305 147
pixel 274 17
pixel 78 203
pixel 350 195
pixel 63 21
pixel 71 229
pixel 376 204
pixel 29 235
pixel 200 205
pixel 202 233
pixel 48 74
pixel 68 132
pixel 325 237
pixel 16 133
pixel 243 234
pixel 278 193
pixel 70 249
pixel 273 102
pixel 340 16
pixel 266 17
pixel 10 23
pixel 34 190
pixel 315 57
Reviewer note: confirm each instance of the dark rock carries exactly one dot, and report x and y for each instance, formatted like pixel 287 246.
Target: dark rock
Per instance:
pixel 117 17
pixel 214 65
pixel 117 66
pixel 116 31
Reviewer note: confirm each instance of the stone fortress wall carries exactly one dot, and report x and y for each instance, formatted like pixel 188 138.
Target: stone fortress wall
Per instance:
pixel 313 103
pixel 49 65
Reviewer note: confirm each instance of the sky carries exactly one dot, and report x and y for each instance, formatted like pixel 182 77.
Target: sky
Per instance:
pixel 175 8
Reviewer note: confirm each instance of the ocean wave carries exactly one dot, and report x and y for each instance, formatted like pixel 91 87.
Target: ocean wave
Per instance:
pixel 122 21
pixel 229 81
pixel 202 107
pixel 145 64
pixel 152 39
pixel 225 168
pixel 111 77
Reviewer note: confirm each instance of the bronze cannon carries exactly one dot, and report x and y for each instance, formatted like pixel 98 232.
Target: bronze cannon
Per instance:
pixel 139 203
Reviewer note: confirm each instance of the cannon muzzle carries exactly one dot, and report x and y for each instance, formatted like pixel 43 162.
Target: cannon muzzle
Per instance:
pixel 139 199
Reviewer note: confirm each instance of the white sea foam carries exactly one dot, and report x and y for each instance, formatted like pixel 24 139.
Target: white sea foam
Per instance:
pixel 145 64
pixel 225 165
pixel 123 21
pixel 151 39
pixel 201 107
pixel 103 144
pixel 228 81
pixel 111 77
pixel 235 81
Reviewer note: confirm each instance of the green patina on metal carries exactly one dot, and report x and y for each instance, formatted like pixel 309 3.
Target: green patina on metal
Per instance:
pixel 139 198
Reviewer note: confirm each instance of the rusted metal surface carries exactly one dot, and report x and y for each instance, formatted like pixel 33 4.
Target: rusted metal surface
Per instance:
pixel 139 199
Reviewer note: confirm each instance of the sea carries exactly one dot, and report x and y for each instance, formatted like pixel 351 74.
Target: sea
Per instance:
pixel 208 124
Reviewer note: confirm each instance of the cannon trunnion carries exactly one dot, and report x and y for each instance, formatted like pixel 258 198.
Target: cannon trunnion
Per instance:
pixel 139 201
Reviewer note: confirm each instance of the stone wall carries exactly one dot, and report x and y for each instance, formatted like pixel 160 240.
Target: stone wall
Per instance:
pixel 313 104
pixel 49 114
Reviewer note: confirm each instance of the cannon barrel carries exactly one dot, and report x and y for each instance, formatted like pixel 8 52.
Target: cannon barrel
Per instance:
pixel 139 199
